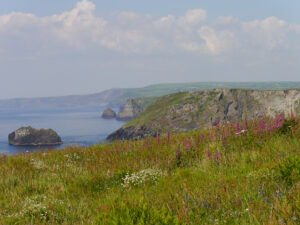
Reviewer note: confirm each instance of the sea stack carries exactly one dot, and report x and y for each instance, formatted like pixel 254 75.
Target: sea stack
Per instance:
pixel 28 136
pixel 108 114
pixel 131 110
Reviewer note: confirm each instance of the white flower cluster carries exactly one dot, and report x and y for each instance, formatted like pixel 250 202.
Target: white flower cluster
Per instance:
pixel 142 177
pixel 71 158
pixel 36 206
pixel 262 173
pixel 37 164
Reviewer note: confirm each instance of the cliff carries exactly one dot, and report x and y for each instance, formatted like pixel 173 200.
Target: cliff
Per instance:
pixel 186 111
pixel 133 107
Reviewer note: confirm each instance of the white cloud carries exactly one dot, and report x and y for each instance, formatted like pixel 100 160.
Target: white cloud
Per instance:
pixel 129 32
pixel 217 42
pixel 270 32
pixel 192 18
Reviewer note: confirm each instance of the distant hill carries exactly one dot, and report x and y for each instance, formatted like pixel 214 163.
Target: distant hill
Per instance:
pixel 184 111
pixel 118 97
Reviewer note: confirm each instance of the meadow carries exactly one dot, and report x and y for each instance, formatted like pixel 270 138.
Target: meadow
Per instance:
pixel 246 172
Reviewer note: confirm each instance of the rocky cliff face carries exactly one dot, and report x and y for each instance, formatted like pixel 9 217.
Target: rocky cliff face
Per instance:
pixel 28 136
pixel 108 114
pixel 131 109
pixel 185 111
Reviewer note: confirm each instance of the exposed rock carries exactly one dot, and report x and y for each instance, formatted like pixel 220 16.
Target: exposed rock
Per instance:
pixel 181 112
pixel 131 109
pixel 28 136
pixel 108 114
pixel 131 133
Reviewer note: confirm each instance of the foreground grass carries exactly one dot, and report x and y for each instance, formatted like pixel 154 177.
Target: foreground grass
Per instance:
pixel 198 177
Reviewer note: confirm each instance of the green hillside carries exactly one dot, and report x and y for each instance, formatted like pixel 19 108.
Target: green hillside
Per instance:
pixel 163 89
pixel 246 173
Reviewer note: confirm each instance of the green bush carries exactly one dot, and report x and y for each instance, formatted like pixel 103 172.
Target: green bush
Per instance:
pixel 287 126
pixel 141 214
pixel 289 170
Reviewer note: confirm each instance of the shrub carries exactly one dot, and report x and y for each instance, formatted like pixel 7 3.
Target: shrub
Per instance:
pixel 287 126
pixel 137 214
pixel 289 170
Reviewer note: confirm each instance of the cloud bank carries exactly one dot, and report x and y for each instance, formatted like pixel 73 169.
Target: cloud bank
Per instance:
pixel 80 29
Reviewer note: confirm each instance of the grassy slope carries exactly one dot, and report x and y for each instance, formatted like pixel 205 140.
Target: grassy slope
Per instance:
pixel 238 183
pixel 163 89
pixel 157 108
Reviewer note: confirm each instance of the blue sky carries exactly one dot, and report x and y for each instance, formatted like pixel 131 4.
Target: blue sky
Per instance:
pixel 50 48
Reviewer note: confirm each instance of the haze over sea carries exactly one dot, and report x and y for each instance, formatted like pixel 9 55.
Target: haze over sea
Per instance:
pixel 80 126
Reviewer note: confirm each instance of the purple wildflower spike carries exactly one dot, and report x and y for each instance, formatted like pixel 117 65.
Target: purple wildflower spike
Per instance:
pixel 217 156
pixel 187 145
pixel 211 136
pixel 178 155
pixel 157 138
pixel 218 126
pixel 292 114
pixel 224 142
pixel 208 153
pixel 237 128
pixel 168 136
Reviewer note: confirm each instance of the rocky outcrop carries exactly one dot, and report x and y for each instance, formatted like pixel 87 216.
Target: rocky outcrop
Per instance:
pixel 186 111
pixel 28 136
pixel 131 133
pixel 132 108
pixel 108 114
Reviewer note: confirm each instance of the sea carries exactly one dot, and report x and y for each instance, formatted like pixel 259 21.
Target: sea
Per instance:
pixel 79 126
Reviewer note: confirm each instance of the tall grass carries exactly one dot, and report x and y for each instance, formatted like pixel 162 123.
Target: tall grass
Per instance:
pixel 238 173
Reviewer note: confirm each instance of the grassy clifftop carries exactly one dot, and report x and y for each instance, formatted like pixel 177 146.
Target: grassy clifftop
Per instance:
pixel 186 111
pixel 243 173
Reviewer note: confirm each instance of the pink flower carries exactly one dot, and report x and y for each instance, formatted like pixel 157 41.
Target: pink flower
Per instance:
pixel 217 156
pixel 208 153
pixel 237 128
pixel 178 155
pixel 187 145
pixel 218 126
pixel 157 138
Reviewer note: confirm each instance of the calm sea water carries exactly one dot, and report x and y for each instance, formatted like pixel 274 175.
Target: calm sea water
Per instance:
pixel 75 126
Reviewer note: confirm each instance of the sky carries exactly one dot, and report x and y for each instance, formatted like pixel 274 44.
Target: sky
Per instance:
pixel 54 47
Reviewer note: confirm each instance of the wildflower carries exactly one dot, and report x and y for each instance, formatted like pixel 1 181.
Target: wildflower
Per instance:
pixel 237 128
pixel 3 158
pixel 208 153
pixel 218 126
pixel 281 221
pixel 157 138
pixel 168 137
pixel 224 142
pixel 217 156
pixel 178 156
pixel 246 124
pixel 211 136
pixel 279 120
pixel 187 145
pixel 292 114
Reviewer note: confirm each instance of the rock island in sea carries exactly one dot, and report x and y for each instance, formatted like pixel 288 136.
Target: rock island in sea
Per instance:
pixel 28 136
